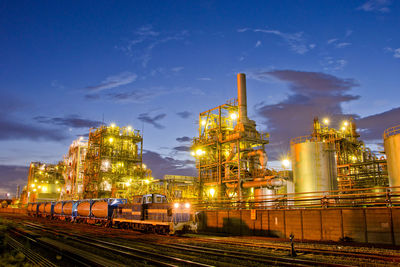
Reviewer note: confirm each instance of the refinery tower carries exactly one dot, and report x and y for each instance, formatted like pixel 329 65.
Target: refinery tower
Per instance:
pixel 230 152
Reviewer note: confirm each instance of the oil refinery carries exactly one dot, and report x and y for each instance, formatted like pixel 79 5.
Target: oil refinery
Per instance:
pixel 337 189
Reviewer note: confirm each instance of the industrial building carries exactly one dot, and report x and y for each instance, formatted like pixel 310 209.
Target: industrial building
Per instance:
pixel 230 152
pixel 330 159
pixel 74 170
pixel 113 164
pixel 45 182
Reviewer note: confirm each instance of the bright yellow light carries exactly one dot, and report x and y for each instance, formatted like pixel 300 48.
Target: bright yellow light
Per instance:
pixel 233 116
pixel 111 139
pixel 203 122
pixel 112 125
pixel 286 163
pixel 39 186
pixel 128 184
pixel 56 182
pixel 129 128
pixel 58 189
pixel 144 166
pixel 32 185
pixel 343 128
pixel 345 123
pixel 192 153
pixel 147 181
pixel 200 152
pixel 176 205
pixel 326 121
pixel 34 190
pixel 35 181
pixel 44 189
pixel 187 205
pixel 212 192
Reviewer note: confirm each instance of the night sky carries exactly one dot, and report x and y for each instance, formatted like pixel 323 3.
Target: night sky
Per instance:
pixel 66 66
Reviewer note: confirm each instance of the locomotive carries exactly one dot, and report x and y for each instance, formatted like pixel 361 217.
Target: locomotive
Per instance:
pixel 147 213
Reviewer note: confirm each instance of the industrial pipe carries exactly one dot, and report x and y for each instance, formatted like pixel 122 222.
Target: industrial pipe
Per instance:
pixel 242 98
pixel 262 156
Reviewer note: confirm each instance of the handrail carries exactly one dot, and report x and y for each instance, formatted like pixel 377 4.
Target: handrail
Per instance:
pixel 391 131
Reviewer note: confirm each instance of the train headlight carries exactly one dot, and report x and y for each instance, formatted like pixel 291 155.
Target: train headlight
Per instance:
pixel 187 205
pixel 176 205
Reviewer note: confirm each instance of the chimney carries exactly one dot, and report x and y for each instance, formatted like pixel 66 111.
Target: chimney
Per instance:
pixel 242 98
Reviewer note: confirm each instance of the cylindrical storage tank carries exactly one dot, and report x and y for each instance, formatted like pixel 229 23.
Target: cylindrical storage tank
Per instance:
pixel 84 209
pixel 34 207
pixel 29 207
pixel 47 208
pixel 314 165
pixel 41 207
pixel 100 209
pixel 58 208
pixel 391 140
pixel 67 208
pixel 264 197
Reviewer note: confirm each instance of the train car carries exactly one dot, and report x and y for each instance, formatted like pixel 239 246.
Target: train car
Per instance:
pixel 152 213
pixel 97 211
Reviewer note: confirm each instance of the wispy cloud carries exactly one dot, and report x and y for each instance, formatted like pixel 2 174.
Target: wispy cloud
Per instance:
pixel 12 129
pixel 73 121
pixel 395 52
pixel 204 79
pixel 330 41
pixel 114 81
pixel 146 118
pixel 296 41
pixel 331 64
pixel 381 6
pixel 142 95
pixel 258 44
pixel 184 114
pixel 177 69
pixel 146 39
pixel 183 139
pixel 342 45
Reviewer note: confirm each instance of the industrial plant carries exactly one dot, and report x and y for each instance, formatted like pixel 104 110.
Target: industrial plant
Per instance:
pixel 335 182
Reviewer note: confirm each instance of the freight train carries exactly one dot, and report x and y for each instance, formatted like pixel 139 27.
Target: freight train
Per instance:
pixel 147 213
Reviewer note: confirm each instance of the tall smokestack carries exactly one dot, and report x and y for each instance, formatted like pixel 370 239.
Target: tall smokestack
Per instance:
pixel 242 98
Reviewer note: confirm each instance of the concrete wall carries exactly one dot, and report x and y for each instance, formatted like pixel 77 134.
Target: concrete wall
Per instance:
pixel 368 225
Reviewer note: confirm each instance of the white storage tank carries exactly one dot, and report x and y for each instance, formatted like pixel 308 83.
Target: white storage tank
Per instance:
pixel 391 140
pixel 314 165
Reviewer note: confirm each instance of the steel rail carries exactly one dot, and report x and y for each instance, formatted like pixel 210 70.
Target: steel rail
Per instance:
pixel 369 255
pixel 32 256
pixel 281 261
pixel 129 251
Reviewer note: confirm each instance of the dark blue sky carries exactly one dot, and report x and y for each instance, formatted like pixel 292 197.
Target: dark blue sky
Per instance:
pixel 64 65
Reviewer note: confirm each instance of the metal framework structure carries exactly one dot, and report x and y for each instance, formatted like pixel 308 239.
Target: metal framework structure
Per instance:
pixel 230 152
pixel 178 187
pixel 357 166
pixel 44 181
pixel 113 162
pixel 74 169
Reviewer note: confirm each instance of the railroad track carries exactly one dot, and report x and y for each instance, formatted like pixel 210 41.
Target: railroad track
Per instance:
pixel 133 253
pixel 364 255
pixel 72 255
pixel 31 256
pixel 244 256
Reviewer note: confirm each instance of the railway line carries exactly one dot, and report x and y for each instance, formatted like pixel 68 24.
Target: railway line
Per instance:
pixel 222 254
pixel 358 254
pixel 129 246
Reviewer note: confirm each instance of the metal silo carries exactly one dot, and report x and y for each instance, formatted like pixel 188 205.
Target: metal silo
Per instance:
pixel 314 165
pixel 391 139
